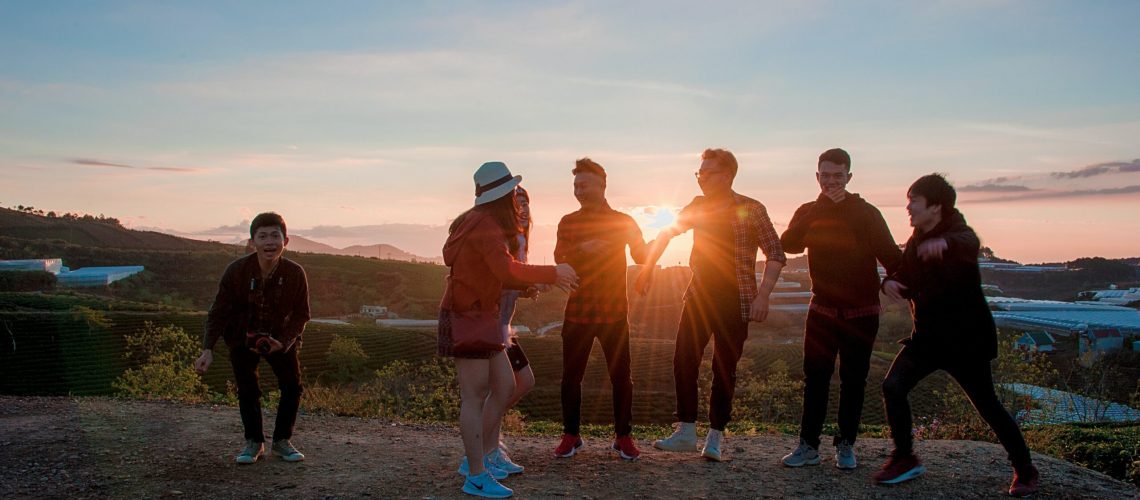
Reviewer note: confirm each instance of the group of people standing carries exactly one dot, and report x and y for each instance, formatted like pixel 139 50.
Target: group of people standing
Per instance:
pixel 262 306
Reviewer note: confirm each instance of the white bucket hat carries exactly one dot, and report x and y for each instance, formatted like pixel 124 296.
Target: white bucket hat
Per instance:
pixel 493 180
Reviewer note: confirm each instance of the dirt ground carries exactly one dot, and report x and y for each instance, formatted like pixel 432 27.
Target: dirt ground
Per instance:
pixel 107 448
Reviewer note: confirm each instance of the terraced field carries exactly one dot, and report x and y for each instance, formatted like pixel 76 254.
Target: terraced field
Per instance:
pixel 57 353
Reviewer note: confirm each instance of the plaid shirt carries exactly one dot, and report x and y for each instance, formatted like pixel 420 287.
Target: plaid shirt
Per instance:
pixel 751 230
pixel 601 293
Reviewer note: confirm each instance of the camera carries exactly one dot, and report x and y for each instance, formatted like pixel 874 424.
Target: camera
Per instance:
pixel 259 341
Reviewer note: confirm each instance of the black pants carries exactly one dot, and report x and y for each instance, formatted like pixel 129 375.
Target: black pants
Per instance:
pixel 701 320
pixel 974 376
pixel 287 367
pixel 577 341
pixel 826 337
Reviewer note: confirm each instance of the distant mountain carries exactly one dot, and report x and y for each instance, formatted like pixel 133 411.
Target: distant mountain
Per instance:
pixel 381 250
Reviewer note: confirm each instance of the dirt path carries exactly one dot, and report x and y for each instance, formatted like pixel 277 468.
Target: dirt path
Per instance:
pixel 100 448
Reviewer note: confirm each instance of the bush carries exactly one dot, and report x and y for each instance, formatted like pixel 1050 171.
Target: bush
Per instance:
pixel 26 281
pixel 347 358
pixel 775 398
pixel 423 391
pixel 164 355
pixel 1113 449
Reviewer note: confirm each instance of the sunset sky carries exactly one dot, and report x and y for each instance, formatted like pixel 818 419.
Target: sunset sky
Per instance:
pixel 362 122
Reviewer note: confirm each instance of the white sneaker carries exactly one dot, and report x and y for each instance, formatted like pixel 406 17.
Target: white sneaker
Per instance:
pixel 845 455
pixel 683 439
pixel 485 486
pixel 499 458
pixel 803 455
pixel 497 473
pixel 713 445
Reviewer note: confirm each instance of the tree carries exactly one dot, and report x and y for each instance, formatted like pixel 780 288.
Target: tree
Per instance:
pixel 165 355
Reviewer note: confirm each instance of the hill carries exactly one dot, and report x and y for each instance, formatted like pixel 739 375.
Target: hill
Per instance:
pixel 382 251
pixel 105 232
pixel 73 447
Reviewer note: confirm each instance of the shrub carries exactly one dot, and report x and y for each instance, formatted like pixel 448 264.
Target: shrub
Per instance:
pixel 1113 449
pixel 347 358
pixel 26 281
pixel 164 355
pixel 423 391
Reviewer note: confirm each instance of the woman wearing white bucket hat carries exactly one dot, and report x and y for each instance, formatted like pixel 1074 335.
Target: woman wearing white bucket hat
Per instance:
pixel 481 262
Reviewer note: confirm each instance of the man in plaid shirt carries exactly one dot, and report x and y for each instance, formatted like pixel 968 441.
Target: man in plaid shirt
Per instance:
pixel 593 240
pixel 722 297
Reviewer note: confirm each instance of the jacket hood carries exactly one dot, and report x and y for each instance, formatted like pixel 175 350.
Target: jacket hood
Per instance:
pixel 955 219
pixel 470 220
pixel 850 200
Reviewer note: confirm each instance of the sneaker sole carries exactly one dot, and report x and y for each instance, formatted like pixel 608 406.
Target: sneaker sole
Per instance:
pixel 573 451
pixel 245 461
pixel 289 458
pixel 485 494
pixel 623 455
pixel 845 467
pixel 815 461
pixel 712 457
pixel 906 476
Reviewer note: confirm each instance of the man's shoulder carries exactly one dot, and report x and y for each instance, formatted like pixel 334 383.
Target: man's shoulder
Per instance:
pixel 240 263
pixel 751 203
pixel 290 265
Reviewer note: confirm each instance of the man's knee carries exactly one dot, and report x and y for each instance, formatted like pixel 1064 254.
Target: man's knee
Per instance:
pixel 292 389
pixel 893 388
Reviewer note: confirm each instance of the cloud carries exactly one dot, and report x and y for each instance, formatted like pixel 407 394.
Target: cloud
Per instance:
pixel 994 188
pixel 1115 167
pixel 98 163
pixel 1040 195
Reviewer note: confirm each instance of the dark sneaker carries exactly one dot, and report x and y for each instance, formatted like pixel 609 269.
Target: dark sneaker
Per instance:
pixel 900 468
pixel 569 446
pixel 284 449
pixel 804 454
pixel 626 448
pixel 1024 481
pixel 845 456
pixel 250 453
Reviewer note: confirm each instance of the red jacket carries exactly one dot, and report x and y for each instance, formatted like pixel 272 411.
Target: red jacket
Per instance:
pixel 481 264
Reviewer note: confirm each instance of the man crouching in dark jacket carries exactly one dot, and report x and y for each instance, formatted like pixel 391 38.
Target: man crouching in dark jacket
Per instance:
pixel 953 331
pixel 261 310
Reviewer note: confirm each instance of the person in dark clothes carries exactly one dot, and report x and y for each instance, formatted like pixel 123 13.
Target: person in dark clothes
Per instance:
pixel 844 237
pixel 953 331
pixel 261 310
pixel 593 240
pixel 722 297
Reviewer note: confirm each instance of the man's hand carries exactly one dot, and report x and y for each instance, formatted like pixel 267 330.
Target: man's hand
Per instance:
pixel 836 195
pixel 644 280
pixel 759 310
pixel 595 246
pixel 932 249
pixel 275 346
pixel 894 289
pixel 567 278
pixel 203 362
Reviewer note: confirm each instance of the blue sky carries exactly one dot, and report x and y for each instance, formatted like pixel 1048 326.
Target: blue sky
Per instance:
pixel 195 115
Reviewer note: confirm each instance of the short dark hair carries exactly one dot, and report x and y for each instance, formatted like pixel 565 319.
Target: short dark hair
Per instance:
pixel 724 158
pixel 588 166
pixel 837 156
pixel 267 219
pixel 937 191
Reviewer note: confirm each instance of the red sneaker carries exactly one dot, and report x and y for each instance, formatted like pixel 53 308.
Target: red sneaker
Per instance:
pixel 569 446
pixel 1024 481
pixel 899 468
pixel 626 448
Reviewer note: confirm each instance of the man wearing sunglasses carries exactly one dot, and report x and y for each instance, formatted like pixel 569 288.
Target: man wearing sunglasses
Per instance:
pixel 722 297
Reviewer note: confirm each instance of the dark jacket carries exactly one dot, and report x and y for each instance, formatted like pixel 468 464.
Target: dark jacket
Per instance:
pixel 843 241
pixel 951 317
pixel 278 305
pixel 481 264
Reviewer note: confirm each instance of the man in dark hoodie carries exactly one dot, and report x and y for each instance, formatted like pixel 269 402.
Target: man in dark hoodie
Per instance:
pixel 844 237
pixel 953 331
